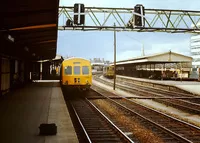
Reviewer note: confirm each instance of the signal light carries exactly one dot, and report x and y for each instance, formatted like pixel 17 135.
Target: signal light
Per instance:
pixel 138 19
pixel 79 14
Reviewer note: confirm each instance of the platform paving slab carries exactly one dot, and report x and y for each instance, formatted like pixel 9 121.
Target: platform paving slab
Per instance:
pixel 23 110
pixel 59 114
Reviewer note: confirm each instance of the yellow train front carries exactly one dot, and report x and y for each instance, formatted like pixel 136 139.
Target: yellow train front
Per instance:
pixel 108 71
pixel 76 73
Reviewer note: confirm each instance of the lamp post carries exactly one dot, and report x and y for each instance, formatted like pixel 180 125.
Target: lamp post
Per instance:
pixel 114 58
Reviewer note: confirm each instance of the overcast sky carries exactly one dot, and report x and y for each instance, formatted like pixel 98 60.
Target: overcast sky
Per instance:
pixel 96 44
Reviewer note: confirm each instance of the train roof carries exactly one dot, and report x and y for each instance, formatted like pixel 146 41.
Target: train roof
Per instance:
pixel 71 58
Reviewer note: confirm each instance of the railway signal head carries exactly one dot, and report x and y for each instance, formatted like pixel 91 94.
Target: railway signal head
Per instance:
pixel 139 15
pixel 79 14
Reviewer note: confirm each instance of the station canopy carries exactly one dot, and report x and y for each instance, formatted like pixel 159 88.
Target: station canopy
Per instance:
pixel 32 24
pixel 160 58
pixel 97 64
pixel 57 58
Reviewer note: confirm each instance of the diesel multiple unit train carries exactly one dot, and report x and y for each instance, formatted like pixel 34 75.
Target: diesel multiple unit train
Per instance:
pixel 76 72
pixel 108 71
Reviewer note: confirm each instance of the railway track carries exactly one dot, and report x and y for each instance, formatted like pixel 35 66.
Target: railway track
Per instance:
pixel 167 127
pixel 152 84
pixel 169 98
pixel 92 125
pixel 164 91
pixel 167 92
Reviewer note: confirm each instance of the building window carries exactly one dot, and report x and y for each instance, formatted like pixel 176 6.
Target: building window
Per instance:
pixel 195 53
pixel 195 47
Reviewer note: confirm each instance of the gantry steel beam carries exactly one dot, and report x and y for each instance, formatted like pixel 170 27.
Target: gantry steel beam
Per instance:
pixel 156 20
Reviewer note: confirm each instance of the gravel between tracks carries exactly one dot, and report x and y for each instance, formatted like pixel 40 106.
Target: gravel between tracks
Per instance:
pixel 142 134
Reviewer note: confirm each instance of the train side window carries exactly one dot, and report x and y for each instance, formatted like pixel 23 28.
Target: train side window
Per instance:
pixel 76 70
pixel 85 70
pixel 68 70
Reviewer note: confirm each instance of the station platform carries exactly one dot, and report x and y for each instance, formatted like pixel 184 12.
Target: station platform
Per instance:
pixel 190 86
pixel 23 110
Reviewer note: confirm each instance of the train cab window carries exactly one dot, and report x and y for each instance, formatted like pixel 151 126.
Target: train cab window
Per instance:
pixel 68 70
pixel 76 70
pixel 85 70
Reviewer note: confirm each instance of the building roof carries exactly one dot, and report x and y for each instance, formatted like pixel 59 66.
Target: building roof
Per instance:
pixel 33 24
pixel 57 58
pixel 93 63
pixel 165 57
pixel 71 58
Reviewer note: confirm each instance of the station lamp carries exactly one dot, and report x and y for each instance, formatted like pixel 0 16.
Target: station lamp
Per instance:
pixel 9 38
